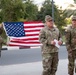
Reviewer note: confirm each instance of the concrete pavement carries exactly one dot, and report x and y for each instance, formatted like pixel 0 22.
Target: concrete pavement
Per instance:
pixel 29 62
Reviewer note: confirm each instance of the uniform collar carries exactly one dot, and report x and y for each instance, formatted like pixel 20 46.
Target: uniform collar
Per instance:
pixel 73 27
pixel 52 29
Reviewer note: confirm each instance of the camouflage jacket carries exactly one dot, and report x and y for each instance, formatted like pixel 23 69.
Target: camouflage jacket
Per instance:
pixel 47 35
pixel 1 42
pixel 70 38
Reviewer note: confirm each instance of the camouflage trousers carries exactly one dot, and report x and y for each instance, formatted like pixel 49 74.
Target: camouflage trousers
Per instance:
pixel 71 64
pixel 0 52
pixel 50 63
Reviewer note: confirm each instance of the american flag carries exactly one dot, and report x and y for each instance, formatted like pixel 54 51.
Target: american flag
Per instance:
pixel 23 33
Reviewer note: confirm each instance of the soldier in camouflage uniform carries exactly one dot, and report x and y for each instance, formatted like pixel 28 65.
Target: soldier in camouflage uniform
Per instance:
pixel 71 45
pixel 49 50
pixel 1 40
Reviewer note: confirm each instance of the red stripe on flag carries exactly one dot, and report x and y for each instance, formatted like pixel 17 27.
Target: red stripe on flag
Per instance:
pixel 32 34
pixel 31 31
pixel 14 45
pixel 25 39
pixel 33 26
pixel 24 42
pixel 32 22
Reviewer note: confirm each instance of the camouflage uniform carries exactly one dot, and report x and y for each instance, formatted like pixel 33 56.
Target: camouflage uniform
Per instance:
pixel 71 48
pixel 1 40
pixel 49 52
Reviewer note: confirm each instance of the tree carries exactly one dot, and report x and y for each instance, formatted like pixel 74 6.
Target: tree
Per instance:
pixel 70 10
pixel 46 9
pixel 12 9
pixel 1 17
pixel 75 1
pixel 31 10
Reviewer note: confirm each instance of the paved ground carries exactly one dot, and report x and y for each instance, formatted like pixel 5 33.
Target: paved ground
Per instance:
pixel 29 62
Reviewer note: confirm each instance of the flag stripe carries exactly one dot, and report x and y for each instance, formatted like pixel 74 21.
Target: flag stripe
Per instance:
pixel 25 42
pixel 32 26
pixel 24 39
pixel 32 34
pixel 20 44
pixel 28 36
pixel 32 30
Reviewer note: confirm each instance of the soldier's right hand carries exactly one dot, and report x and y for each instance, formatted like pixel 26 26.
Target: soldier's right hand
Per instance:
pixel 53 42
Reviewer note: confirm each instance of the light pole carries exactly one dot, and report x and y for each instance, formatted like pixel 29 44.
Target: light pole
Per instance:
pixel 53 10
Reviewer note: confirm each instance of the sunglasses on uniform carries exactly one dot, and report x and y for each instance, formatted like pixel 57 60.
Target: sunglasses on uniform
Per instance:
pixel 50 20
pixel 74 20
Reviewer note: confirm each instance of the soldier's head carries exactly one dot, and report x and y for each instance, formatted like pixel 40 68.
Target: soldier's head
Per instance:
pixel 1 29
pixel 74 20
pixel 49 21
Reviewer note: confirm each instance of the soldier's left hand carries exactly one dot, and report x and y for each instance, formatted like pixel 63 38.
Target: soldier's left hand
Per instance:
pixel 59 42
pixel 53 42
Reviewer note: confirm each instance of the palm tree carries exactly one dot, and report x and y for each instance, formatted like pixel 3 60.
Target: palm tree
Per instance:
pixel 75 1
pixel 70 10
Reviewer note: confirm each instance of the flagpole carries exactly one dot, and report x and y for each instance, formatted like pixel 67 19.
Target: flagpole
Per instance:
pixel 53 10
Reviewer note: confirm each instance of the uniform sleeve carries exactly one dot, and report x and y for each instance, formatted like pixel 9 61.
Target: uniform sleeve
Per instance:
pixel 68 39
pixel 42 37
pixel 59 35
pixel 2 41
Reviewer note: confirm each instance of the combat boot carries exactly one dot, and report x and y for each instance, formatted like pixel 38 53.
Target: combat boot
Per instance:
pixel 70 74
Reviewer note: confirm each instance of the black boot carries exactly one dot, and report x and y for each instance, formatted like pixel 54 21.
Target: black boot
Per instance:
pixel 71 74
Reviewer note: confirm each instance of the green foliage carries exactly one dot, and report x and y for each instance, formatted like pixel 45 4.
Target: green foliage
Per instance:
pixel 46 9
pixel 63 38
pixel 1 17
pixel 70 11
pixel 31 10
pixel 75 1
pixel 17 10
pixel 68 21
pixel 12 9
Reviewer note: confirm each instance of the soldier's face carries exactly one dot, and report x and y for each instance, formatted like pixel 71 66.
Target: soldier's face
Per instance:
pixel 49 23
pixel 74 22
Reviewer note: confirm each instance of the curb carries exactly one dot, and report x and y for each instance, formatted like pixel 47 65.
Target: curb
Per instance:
pixel 10 48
